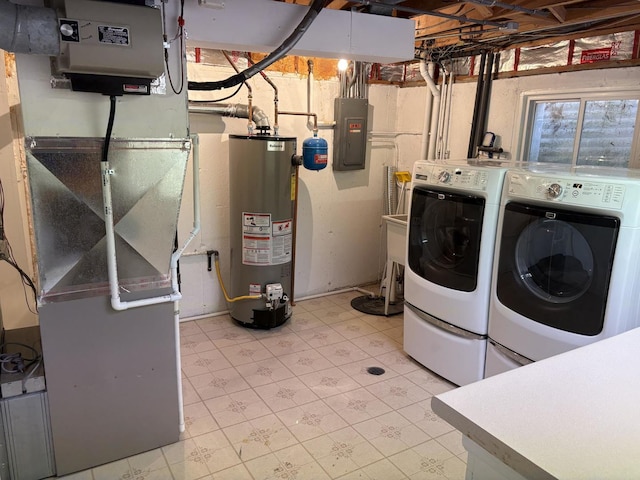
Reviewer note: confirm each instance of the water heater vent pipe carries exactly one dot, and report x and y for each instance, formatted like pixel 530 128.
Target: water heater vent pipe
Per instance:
pixel 236 110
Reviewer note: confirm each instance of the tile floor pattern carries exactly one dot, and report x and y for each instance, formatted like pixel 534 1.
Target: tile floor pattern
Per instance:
pixel 296 403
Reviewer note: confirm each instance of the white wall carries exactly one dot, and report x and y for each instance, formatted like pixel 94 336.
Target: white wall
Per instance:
pixel 504 113
pixel 339 232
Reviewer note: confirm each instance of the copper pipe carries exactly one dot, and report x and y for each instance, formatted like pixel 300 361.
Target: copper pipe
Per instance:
pixel 275 96
pixel 249 96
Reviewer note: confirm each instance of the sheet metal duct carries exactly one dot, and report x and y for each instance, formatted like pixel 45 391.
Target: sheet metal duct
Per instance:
pixel 68 214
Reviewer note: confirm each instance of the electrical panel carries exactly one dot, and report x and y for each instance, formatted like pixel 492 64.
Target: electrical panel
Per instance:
pixel 111 48
pixel 350 137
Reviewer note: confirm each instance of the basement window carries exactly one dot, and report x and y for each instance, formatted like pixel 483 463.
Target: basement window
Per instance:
pixel 582 128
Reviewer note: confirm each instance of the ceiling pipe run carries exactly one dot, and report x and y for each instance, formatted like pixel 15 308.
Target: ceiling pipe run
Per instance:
pixel 31 30
pixel 432 108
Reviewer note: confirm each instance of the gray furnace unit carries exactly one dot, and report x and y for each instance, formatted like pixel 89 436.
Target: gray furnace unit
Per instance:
pixel 111 375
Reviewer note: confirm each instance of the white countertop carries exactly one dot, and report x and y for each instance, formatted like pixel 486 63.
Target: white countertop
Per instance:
pixel 572 416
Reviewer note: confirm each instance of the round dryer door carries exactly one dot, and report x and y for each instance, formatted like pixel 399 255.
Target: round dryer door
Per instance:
pixel 555 265
pixel 554 260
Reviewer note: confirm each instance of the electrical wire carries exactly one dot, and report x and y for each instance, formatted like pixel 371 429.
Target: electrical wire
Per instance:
pixel 221 99
pixel 179 35
pixel 107 137
pixel 8 257
pixel 277 54
pixel 17 364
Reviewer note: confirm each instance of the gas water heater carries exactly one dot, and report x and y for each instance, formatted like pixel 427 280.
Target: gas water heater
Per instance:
pixel 262 192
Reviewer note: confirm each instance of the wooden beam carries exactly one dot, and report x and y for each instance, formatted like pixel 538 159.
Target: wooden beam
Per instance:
pixel 559 12
pixel 337 4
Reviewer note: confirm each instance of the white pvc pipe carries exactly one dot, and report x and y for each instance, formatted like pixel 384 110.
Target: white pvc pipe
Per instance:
pixel 195 141
pixel 112 265
pixel 432 105
pixel 444 90
pixel 112 268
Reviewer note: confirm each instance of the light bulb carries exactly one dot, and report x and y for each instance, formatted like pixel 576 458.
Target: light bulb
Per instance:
pixel 342 65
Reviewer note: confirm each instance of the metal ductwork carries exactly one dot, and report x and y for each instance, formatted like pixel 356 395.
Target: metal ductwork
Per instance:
pixel 25 29
pixel 237 110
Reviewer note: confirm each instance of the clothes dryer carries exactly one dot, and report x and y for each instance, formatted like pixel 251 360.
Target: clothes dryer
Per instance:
pixel 567 270
pixel 450 243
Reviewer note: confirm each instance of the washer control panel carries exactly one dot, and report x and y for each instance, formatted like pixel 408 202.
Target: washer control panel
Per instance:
pixel 562 190
pixel 451 176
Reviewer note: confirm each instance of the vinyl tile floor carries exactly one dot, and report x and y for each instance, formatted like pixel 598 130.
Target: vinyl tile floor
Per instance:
pixel 297 403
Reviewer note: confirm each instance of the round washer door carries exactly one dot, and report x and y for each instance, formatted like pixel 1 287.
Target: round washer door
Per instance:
pixel 555 265
pixel 445 230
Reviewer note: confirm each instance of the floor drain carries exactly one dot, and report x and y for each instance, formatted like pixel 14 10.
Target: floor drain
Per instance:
pixel 375 370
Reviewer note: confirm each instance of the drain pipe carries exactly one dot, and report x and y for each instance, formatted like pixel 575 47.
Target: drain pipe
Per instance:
pixel 427 74
pixel 112 266
pixel 25 29
pixel 195 142
pixel 236 110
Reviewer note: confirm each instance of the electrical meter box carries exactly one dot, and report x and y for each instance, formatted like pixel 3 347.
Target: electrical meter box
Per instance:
pixel 350 137
pixel 111 48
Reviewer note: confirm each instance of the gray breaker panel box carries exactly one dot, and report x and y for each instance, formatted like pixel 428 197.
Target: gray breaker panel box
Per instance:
pixel 350 136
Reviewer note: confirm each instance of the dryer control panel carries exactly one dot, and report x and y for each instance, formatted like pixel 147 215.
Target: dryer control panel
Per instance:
pixel 574 191
pixel 452 176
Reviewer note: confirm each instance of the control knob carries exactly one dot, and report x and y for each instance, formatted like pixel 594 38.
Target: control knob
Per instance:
pixel 554 190
pixel 444 176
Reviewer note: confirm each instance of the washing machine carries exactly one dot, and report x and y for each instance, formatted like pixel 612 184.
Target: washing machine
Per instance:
pixel 567 263
pixel 452 222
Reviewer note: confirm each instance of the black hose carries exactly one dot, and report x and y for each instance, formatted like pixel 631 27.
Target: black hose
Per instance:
pixel 107 137
pixel 274 56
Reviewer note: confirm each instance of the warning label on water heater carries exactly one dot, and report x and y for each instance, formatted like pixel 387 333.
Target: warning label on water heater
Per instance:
pixel 265 242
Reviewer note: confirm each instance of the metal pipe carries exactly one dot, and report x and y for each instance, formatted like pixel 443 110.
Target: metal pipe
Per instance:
pixel 25 29
pixel 445 141
pixel 476 107
pixel 484 105
pixel 434 13
pixel 444 88
pixel 305 114
pixel 249 95
pixel 276 127
pixel 236 110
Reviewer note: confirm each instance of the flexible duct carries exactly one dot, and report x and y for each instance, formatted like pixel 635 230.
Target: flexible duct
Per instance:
pixel 25 29
pixel 233 110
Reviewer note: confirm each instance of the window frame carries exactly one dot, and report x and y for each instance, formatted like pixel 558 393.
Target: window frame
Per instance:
pixel 529 100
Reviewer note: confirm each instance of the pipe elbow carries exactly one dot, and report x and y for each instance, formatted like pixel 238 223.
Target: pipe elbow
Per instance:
pixel 259 117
